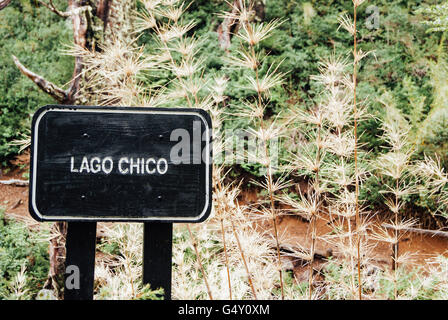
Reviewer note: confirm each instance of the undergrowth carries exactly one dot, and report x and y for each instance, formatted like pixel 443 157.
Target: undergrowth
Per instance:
pixel 24 259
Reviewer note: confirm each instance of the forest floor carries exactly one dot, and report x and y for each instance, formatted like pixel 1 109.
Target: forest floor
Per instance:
pixel 13 197
pixel 293 229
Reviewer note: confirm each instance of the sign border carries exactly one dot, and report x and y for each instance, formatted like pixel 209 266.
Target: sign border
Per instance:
pixel 202 114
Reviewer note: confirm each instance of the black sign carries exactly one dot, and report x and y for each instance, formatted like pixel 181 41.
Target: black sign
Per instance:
pixel 120 164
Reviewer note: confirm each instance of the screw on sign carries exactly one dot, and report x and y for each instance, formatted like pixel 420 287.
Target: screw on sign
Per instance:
pixel 120 164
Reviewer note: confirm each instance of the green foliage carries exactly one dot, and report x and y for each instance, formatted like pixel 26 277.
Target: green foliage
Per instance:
pixel 21 247
pixel 437 16
pixel 112 248
pixel 148 294
pixel 401 63
pixel 35 35
pixel 301 289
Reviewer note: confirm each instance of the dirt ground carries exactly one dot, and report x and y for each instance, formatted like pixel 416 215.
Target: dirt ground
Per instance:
pixel 424 248
pixel 293 229
pixel 14 198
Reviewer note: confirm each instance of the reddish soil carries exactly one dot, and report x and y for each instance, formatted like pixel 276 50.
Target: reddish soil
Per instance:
pixel 424 247
pixel 294 231
pixel 14 198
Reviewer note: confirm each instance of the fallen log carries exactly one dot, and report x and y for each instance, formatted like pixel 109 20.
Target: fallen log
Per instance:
pixel 16 182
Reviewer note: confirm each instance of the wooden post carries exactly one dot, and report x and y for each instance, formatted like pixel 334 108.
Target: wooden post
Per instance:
pixel 157 254
pixel 80 260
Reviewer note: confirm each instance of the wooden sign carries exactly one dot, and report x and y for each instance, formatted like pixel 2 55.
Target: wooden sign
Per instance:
pixel 120 164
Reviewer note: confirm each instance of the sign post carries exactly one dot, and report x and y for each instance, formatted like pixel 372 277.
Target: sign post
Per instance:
pixel 120 164
pixel 80 260
pixel 157 252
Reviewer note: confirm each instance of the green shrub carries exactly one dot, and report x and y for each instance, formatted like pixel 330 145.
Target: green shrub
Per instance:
pixel 21 247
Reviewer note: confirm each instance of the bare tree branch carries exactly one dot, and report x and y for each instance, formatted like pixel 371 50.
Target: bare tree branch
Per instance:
pixel 433 233
pixel 259 8
pixel 78 14
pixel 52 8
pixel 4 3
pixel 230 24
pixel 48 87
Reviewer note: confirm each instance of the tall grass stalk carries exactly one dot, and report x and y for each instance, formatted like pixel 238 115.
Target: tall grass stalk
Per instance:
pixel 338 143
pixel 220 200
pixel 395 165
pixel 356 3
pixel 317 195
pixel 304 163
pixel 243 258
pixel 251 34
pixel 351 26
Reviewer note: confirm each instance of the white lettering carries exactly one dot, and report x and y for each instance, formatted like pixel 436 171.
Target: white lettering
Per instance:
pixel 120 168
pixel 72 165
pixel 135 165
pixel 162 161
pixel 126 165
pixel 111 165
pixel 95 168
pixel 197 142
pixel 84 165
pixel 147 165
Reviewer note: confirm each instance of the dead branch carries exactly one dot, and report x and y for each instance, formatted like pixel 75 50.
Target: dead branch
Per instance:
pixel 80 25
pixel 50 88
pixel 15 182
pixel 4 3
pixel 434 233
pixel 53 9
pixel 50 6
